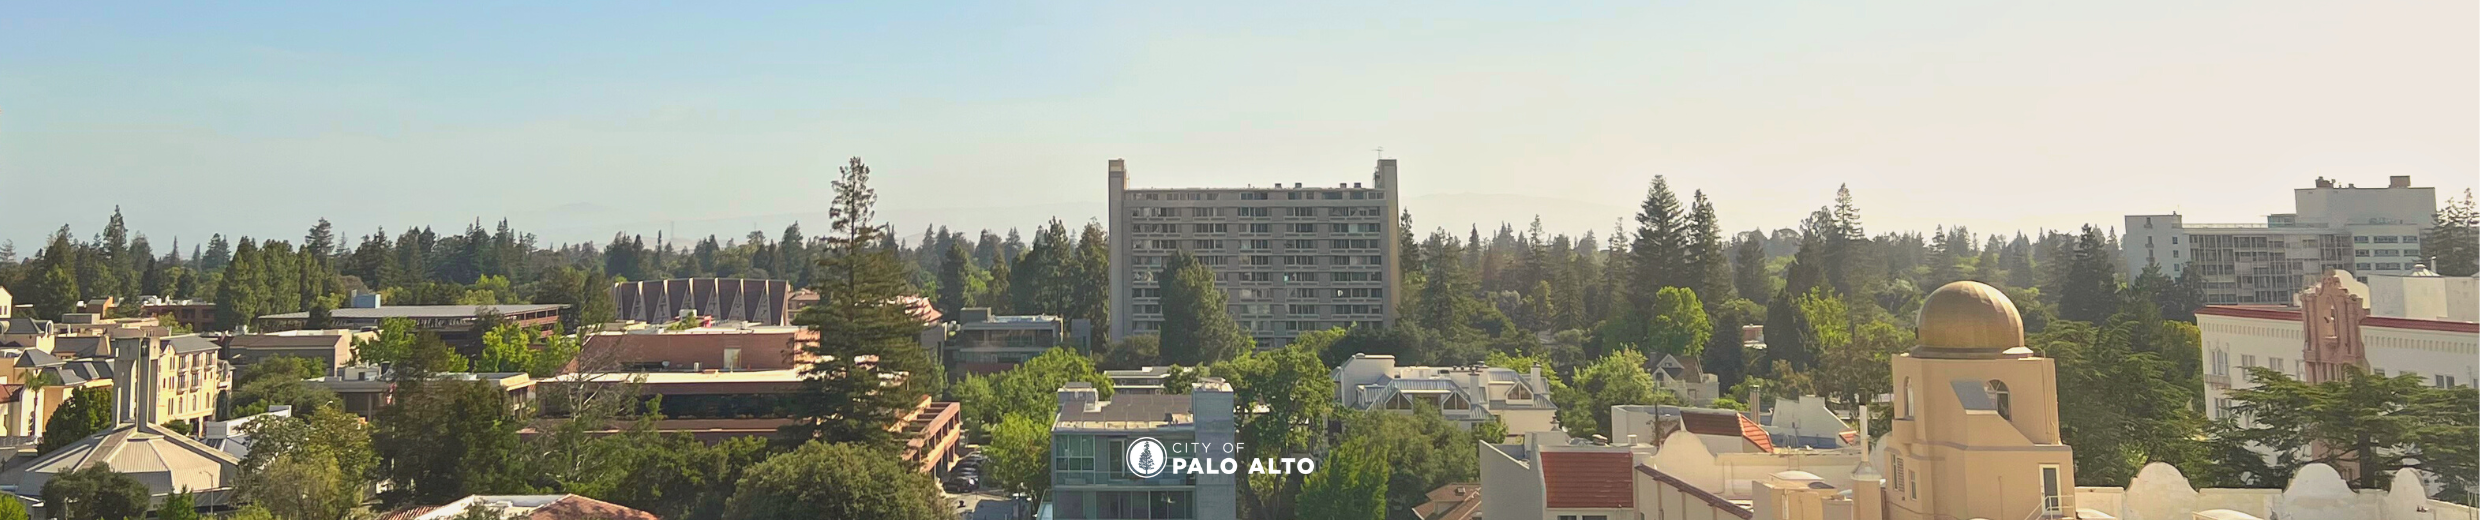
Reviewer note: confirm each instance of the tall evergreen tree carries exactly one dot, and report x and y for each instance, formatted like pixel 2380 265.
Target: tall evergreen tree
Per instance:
pixel 1659 253
pixel 1708 267
pixel 321 241
pixel 1089 286
pixel 867 328
pixel 218 254
pixel 2453 246
pixel 2089 292
pixel 1748 267
pixel 1196 328
pixel 953 281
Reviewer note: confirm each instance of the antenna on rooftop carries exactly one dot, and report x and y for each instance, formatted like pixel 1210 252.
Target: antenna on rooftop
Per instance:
pixel 1381 153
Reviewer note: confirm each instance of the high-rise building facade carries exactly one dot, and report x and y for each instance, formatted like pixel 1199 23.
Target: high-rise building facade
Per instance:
pixel 1289 259
pixel 2362 230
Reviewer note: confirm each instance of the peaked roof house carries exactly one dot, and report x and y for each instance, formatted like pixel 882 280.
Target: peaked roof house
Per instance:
pixel 1467 395
pixel 166 461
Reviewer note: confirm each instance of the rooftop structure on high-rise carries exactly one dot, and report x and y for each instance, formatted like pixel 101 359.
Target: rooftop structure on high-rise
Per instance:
pixel 2364 230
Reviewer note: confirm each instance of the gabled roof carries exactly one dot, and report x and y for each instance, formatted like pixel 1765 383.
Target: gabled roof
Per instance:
pixel 191 344
pixel 83 346
pixel 166 460
pixel 1588 479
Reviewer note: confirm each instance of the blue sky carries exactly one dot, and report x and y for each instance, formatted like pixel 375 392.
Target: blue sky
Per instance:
pixel 580 119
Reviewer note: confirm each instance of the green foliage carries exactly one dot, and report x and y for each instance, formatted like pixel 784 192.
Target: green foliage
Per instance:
pixel 279 380
pixel 676 476
pixel 1584 406
pixel 2114 405
pixel 88 411
pixel 868 334
pixel 1298 395
pixel 443 439
pixel 836 480
pixel 12 508
pixel 2370 424
pixel 2089 289
pixel 179 506
pixel 2453 246
pixel 95 493
pixel 586 289
pixel 1020 453
pixel 1196 328
pixel 1031 389
pixel 1679 324
pixel 1423 450
pixel 1351 485
pixel 393 343
pixel 507 348
pixel 1131 352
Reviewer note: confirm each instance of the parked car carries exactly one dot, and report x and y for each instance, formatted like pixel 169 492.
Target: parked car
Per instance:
pixel 963 483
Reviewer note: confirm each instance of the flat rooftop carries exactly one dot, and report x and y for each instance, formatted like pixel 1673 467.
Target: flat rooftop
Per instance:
pixel 423 311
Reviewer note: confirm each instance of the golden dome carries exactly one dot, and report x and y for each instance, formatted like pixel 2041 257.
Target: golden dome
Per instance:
pixel 1968 319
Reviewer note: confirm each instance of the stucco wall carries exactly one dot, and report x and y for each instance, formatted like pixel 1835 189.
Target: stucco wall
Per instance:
pixel 2317 492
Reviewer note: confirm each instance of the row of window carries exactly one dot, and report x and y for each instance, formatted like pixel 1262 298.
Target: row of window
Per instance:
pixel 2382 266
pixel 2387 239
pixel 1149 326
pixel 1269 260
pixel 1261 195
pixel 1364 227
pixel 1260 245
pixel 1259 294
pixel 1348 211
pixel 2387 252
pixel 1271 309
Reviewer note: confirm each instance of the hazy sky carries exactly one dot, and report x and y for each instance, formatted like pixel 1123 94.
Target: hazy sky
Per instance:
pixel 580 119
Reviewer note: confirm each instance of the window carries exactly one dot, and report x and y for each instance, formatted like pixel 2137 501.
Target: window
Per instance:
pixel 1304 293
pixel 1909 402
pixel 1300 244
pixel 1145 293
pixel 1300 310
pixel 1300 277
pixel 1255 195
pixel 2247 360
pixel 1338 228
pixel 1073 453
pixel 1259 260
pixel 2411 239
pixel 1158 228
pixel 2361 253
pixel 1367 228
pixel 2445 381
pixel 2174 240
pixel 1300 212
pixel 1333 195
pixel 1214 260
pixel 2221 362
pixel 1149 308
pixel 2359 240
pixel 1255 212
pixel 1210 228
pixel 1257 245
pixel 2050 502
pixel 2221 407
pixel 1897 474
pixel 1300 260
pixel 2006 403
pixel 1356 211
pixel 1260 276
pixel 1260 228
pixel 2388 239
pixel 2363 266
pixel 1301 228
pixel 1357 195
pixel 1356 277
pixel 1208 244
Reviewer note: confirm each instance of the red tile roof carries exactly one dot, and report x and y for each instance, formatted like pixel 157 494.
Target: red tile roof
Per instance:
pixel 1755 434
pixel 1588 479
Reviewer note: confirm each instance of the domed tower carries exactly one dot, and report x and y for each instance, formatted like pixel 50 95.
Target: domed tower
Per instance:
pixel 1975 431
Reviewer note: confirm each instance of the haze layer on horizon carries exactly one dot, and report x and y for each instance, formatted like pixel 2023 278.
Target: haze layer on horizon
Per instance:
pixel 576 120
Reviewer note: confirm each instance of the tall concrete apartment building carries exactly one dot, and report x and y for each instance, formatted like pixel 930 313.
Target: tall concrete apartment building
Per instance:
pixel 2362 230
pixel 1290 259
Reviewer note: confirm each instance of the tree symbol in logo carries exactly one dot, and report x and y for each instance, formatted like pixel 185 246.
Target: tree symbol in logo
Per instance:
pixel 1145 457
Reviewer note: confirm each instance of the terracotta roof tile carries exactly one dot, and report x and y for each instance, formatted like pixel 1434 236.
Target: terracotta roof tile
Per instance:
pixel 1588 479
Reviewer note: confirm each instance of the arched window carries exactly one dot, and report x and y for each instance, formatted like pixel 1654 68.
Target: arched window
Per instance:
pixel 2006 404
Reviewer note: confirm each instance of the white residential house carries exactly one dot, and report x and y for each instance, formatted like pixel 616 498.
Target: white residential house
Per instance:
pixel 1467 395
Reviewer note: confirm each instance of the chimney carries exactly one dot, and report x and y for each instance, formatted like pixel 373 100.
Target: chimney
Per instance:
pixel 1119 167
pixel 2398 181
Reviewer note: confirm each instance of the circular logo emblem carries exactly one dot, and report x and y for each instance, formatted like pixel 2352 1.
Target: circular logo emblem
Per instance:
pixel 1146 457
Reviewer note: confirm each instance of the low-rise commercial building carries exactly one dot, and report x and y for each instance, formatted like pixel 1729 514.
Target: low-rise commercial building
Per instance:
pixel 979 342
pixel 730 347
pixel 1090 437
pixel 453 323
pixel 366 389
pixel 1467 395
pixel 329 348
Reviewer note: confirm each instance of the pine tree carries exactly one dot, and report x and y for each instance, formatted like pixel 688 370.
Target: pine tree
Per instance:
pixel 2089 292
pixel 1089 286
pixel 1196 329
pixel 2453 246
pixel 1748 269
pixel 321 242
pixel 867 330
pixel 1659 254
pixel 953 279
pixel 1708 267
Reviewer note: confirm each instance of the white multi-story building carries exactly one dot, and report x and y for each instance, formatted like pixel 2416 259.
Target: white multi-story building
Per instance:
pixel 2330 325
pixel 2369 231
pixel 1466 395
pixel 1290 259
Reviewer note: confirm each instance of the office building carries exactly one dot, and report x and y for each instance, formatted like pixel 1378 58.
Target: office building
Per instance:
pixel 1290 259
pixel 733 347
pixel 327 349
pixel 979 342
pixel 2330 326
pixel 1090 438
pixel 2369 231
pixel 453 323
